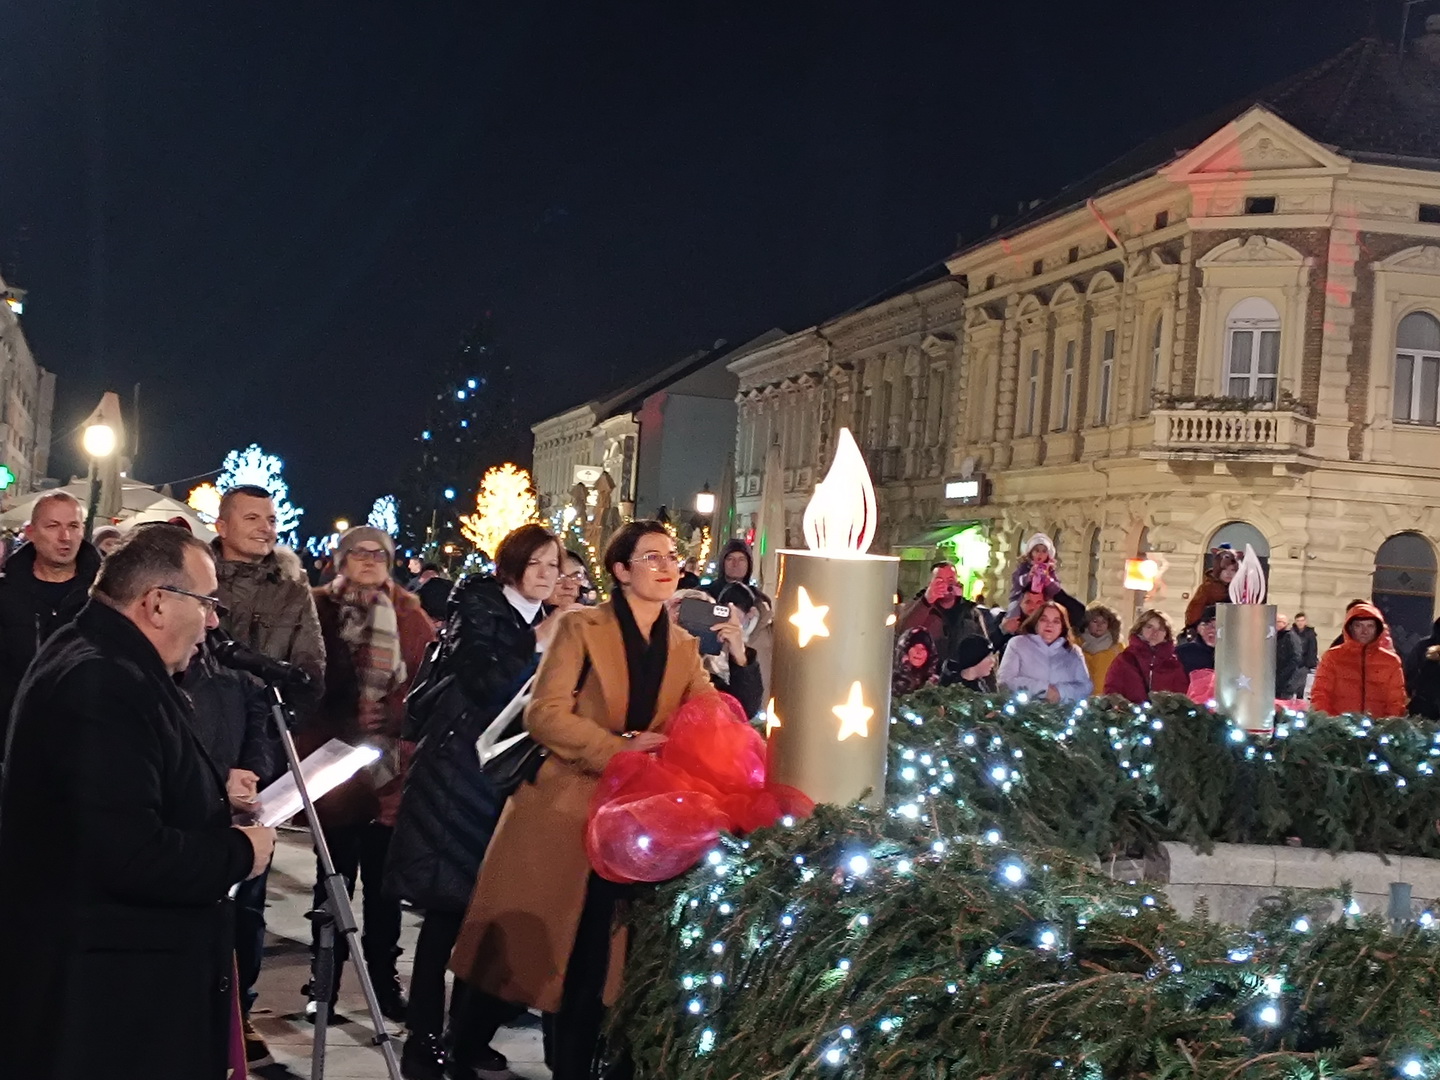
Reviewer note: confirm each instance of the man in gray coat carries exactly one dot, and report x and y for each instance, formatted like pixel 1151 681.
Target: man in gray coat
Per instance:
pixel 271 611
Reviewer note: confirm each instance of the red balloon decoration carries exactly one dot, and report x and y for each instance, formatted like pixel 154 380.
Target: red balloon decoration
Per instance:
pixel 654 816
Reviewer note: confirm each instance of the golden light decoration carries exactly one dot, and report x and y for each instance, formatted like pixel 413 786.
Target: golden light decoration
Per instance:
pixel 205 501
pixel 772 718
pixel 506 500
pixel 854 714
pixel 1140 574
pixel 809 618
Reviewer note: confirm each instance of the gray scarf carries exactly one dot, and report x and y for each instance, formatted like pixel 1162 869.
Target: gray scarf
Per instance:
pixel 1093 644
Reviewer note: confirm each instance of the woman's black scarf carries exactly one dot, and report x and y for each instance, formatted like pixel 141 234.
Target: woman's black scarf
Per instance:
pixel 645 661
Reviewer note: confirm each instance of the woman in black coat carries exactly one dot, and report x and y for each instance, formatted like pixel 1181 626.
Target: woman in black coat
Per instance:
pixel 449 810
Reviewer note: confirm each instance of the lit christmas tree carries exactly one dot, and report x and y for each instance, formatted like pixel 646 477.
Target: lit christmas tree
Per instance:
pixel 254 466
pixel 505 502
pixel 472 422
pixel 385 515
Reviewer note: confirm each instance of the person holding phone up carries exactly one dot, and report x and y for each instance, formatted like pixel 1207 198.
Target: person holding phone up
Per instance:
pixel 728 658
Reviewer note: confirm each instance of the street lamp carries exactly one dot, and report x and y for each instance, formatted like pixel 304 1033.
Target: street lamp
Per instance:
pixel 99 443
pixel 342 525
pixel 705 501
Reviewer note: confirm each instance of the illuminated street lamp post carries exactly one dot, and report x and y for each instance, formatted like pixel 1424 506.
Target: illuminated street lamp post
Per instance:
pixel 99 443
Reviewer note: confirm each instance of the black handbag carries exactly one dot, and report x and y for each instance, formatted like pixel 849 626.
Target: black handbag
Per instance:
pixel 434 691
pixel 514 757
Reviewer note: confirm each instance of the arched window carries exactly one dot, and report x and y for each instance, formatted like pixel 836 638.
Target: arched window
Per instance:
pixel 1417 368
pixel 1404 588
pixel 1092 574
pixel 1252 349
pixel 1237 534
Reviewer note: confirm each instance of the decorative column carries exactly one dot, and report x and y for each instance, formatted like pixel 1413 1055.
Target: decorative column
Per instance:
pixel 828 723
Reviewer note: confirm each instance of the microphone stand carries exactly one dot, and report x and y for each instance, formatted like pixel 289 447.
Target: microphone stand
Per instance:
pixel 335 914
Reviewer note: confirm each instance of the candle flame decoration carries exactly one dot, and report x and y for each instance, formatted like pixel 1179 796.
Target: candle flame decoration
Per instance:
pixel 840 517
pixel 1248 585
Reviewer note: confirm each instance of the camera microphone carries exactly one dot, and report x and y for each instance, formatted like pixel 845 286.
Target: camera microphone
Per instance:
pixel 242 658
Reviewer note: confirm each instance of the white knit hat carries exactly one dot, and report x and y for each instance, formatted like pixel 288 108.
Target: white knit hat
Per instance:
pixel 1040 539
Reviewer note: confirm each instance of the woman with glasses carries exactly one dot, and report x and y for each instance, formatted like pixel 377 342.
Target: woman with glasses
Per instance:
pixel 494 628
pixel 572 586
pixel 375 636
pixel 542 929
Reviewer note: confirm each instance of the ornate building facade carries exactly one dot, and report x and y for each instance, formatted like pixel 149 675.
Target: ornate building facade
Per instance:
pixel 27 400
pixel 1238 341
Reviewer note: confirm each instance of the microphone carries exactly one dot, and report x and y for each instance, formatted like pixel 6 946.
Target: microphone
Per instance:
pixel 242 658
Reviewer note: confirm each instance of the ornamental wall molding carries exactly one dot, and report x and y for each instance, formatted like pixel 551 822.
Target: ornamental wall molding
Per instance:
pixel 1423 259
pixel 1252 250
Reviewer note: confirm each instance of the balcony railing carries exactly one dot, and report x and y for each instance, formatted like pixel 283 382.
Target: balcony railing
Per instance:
pixel 1266 434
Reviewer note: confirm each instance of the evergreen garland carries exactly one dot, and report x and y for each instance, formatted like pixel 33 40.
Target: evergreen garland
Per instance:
pixel 964 931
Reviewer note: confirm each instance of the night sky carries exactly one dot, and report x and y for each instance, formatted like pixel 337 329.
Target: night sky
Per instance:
pixel 276 216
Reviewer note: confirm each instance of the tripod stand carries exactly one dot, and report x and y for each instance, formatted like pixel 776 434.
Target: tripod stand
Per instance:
pixel 335 915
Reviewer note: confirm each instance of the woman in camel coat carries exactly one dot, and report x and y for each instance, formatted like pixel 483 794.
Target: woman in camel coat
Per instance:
pixel 542 929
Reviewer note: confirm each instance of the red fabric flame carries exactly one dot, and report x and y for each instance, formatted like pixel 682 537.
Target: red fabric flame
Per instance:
pixel 654 816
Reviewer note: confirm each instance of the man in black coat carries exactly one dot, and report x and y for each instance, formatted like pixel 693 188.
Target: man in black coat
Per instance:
pixel 42 585
pixel 116 848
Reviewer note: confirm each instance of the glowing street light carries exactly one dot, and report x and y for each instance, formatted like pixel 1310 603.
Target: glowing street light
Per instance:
pixel 342 525
pixel 705 501
pixel 99 440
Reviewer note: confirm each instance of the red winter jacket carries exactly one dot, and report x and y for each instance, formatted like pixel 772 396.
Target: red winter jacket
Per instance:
pixel 1142 669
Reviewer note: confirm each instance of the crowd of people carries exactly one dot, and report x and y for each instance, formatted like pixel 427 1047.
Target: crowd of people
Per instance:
pixel 136 756
pixel 1046 644
pixel 131 866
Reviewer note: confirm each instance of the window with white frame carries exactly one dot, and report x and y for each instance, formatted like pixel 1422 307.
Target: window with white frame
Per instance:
pixel 1067 388
pixel 1107 377
pixel 1417 369
pixel 1032 392
pixel 1252 350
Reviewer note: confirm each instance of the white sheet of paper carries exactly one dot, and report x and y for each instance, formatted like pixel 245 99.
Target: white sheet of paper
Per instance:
pixel 324 770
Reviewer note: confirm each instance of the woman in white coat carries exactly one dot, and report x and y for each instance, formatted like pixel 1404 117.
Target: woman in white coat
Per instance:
pixel 1043 661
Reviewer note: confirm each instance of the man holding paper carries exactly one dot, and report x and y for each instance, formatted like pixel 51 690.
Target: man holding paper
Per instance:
pixel 116 850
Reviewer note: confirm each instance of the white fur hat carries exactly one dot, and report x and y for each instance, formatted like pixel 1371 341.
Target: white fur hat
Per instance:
pixel 1040 539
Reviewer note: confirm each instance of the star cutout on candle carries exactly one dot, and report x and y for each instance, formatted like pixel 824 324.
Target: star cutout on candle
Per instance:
pixel 1243 682
pixel 809 619
pixel 772 720
pixel 854 715
pixel 1270 633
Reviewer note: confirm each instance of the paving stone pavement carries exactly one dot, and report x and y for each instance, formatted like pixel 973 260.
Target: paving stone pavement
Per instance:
pixel 279 1013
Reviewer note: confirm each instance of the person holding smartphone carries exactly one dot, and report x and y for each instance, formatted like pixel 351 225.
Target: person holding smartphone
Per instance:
pixel 729 659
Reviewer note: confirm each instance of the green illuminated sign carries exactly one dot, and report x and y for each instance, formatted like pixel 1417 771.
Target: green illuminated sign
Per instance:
pixel 6 477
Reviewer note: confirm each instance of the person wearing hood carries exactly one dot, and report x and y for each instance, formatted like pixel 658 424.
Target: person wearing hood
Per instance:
pixel 1215 585
pixel 1148 663
pixel 971 665
pixel 1042 661
pixel 734 585
pixel 1035 572
pixel 916 664
pixel 1362 674
pixel 1100 641
pixel 1197 653
pixel 42 587
pixel 106 539
pixel 736 575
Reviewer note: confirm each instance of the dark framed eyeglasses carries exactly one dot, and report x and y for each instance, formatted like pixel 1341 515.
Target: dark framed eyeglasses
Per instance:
pixel 212 602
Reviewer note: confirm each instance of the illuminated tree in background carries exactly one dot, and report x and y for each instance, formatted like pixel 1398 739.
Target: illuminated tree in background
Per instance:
pixel 505 502
pixel 205 501
pixel 472 422
pixel 385 515
pixel 253 466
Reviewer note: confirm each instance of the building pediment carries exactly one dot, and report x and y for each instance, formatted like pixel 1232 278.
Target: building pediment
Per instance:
pixel 1424 259
pixel 1258 142
pixel 1252 250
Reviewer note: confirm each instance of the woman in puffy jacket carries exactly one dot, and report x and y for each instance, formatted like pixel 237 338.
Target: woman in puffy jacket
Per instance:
pixel 1042 661
pixel 1363 674
pixel 495 627
pixel 1149 662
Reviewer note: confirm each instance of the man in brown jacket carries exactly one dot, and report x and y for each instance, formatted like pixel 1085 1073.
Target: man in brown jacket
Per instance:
pixel 273 612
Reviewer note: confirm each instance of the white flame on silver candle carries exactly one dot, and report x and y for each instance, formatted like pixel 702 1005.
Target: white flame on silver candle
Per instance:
pixel 1248 585
pixel 840 517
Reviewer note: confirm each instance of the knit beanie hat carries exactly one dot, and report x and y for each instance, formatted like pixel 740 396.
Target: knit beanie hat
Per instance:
pixel 362 533
pixel 1038 540
pixel 970 652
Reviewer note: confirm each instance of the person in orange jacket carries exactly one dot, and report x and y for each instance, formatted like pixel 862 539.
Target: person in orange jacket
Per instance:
pixel 1363 674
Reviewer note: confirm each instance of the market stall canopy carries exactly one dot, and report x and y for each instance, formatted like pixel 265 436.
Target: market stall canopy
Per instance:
pixel 138 503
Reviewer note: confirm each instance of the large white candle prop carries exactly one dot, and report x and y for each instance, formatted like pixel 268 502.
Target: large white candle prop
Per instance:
pixel 1245 649
pixel 829 720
